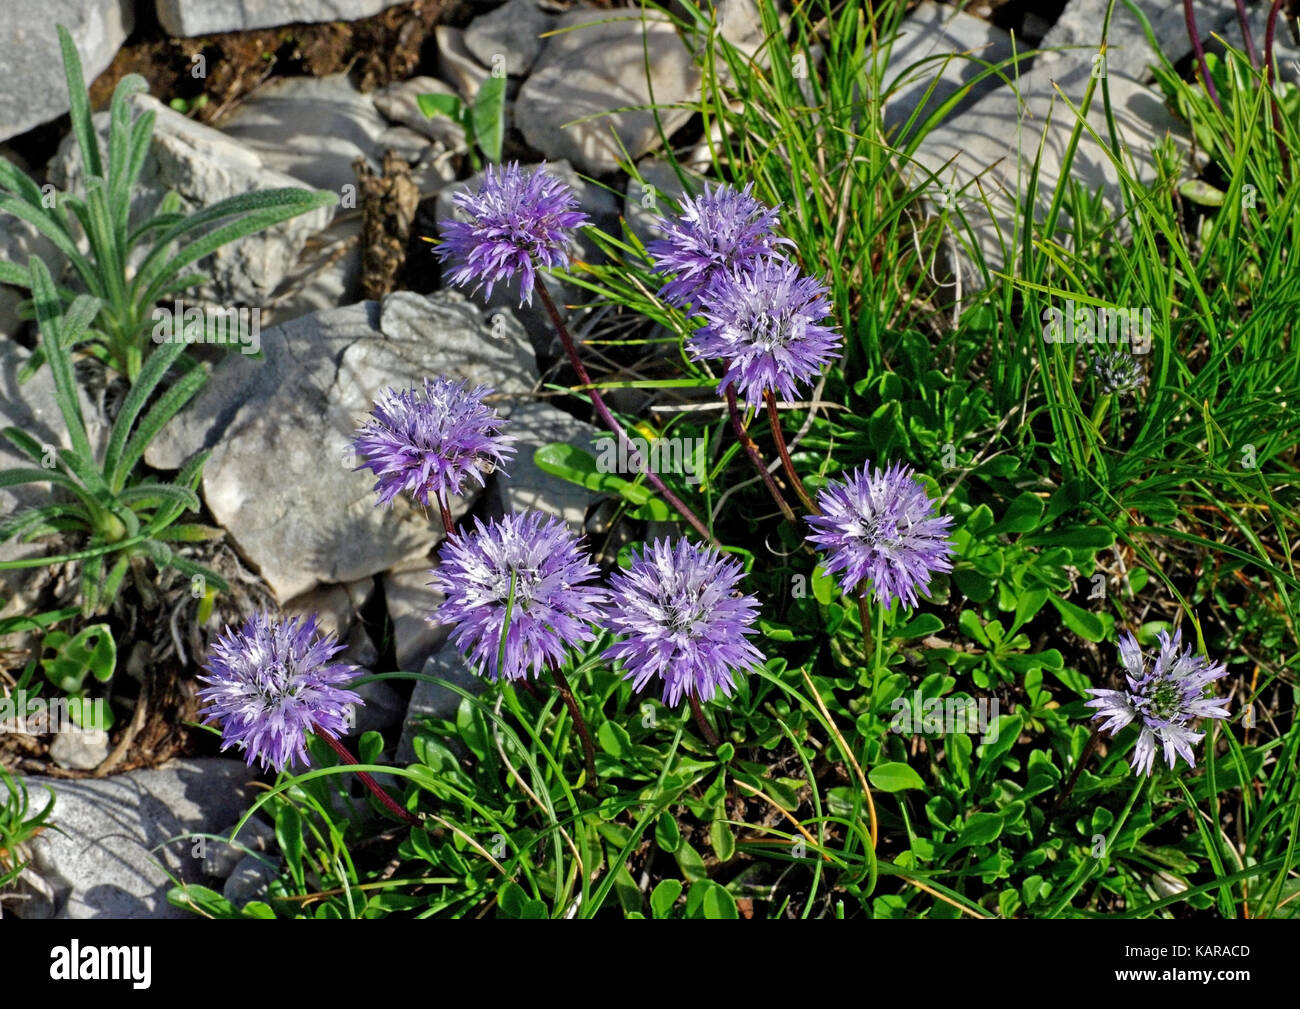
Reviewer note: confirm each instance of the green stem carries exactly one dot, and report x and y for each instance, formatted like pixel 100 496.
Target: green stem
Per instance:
pixel 871 643
pixel 880 644
pixel 1098 415
pixel 1086 868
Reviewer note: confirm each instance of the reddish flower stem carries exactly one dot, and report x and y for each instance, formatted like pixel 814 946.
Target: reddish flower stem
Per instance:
pixel 774 419
pixel 448 523
pixel 571 350
pixel 389 803
pixel 751 449
pixel 571 702
pixel 1190 16
pixel 706 730
pixel 1247 35
pixel 1089 748
pixel 1269 31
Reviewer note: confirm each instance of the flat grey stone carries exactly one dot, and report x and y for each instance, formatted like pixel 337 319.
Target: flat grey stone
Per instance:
pixel 210 17
pixel 739 22
pixel 525 486
pixel 107 858
pixel 221 857
pixel 399 103
pixel 1127 51
pixel 411 602
pixel 335 606
pixel 33 89
pixel 360 650
pixel 282 479
pixel 327 273
pixel 311 128
pixel 431 700
pixel 382 708
pixel 31 896
pixel 988 153
pixel 509 33
pixel 251 879
pixel 433 166
pixel 457 64
pixel 932 31
pixel 594 72
pixel 11 323
pixel 19 243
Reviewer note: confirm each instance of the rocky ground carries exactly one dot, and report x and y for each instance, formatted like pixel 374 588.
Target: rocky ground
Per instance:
pixel 352 302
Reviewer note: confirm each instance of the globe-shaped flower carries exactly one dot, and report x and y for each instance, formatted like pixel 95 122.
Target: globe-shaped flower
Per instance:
pixel 880 528
pixel 517 221
pixel 765 322
pixel 1164 700
pixel 1118 371
pixel 722 230
pixel 553 605
pixel 271 683
pixel 682 620
pixel 431 443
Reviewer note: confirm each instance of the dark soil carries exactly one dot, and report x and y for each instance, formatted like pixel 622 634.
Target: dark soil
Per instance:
pixel 391 46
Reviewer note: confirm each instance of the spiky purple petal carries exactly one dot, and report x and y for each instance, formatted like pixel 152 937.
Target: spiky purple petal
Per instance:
pixel 554 605
pixel 722 230
pixel 1164 701
pixel 880 529
pixel 431 444
pixel 682 620
pixel 518 221
pixel 766 323
pixel 271 683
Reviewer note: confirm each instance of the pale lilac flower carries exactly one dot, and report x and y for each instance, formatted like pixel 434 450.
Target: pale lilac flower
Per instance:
pixel 682 620
pixel 722 230
pixel 431 444
pixel 1164 700
pixel 766 323
pixel 554 604
pixel 271 683
pixel 880 529
pixel 518 221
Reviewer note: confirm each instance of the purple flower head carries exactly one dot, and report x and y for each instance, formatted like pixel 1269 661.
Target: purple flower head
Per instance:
pixel 1164 700
pixel 517 222
pixel 880 527
pixel 271 683
pixel 553 605
pixel 765 323
pixel 430 444
pixel 722 230
pixel 682 620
